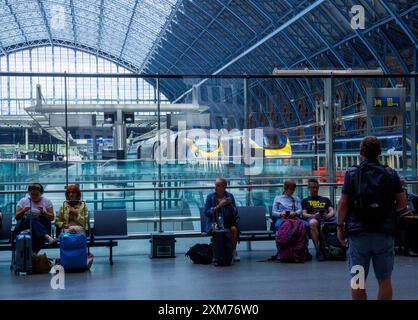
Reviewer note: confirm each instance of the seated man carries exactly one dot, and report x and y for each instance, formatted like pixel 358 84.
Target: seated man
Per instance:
pixel 223 204
pixel 316 210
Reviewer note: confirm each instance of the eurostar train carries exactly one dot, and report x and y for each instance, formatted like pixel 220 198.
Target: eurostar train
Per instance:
pixel 389 142
pixel 204 144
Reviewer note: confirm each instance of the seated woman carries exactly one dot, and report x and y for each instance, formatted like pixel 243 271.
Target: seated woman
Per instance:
pixel 38 211
pixel 73 215
pixel 286 205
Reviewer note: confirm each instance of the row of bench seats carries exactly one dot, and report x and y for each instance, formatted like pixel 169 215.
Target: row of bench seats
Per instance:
pixel 252 224
pixel 108 226
pixel 111 225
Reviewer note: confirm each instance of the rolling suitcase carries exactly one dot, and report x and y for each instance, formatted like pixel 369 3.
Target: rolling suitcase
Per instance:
pixel 222 247
pixel 73 251
pixel 23 254
pixel 23 250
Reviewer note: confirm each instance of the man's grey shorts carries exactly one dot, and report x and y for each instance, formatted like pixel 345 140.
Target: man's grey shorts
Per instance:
pixel 376 246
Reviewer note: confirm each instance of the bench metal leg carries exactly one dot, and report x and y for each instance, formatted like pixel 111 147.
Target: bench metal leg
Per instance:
pixel 12 262
pixel 111 253
pixel 249 246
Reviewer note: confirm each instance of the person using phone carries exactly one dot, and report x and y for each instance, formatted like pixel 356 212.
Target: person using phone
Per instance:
pixel 222 203
pixel 315 211
pixel 286 206
pixel 72 216
pixel 36 213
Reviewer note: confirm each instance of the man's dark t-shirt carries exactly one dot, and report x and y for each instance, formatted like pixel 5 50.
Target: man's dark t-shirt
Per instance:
pixel 316 204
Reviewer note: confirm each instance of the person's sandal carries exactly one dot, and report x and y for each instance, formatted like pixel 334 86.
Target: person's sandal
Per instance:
pixel 51 241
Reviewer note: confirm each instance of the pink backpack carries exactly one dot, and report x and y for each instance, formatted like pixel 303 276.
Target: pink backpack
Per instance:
pixel 292 238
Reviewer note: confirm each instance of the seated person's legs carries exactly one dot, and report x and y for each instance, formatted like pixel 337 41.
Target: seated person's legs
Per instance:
pixel 314 228
pixel 234 236
pixel 411 238
pixel 276 227
pixel 278 223
pixel 40 231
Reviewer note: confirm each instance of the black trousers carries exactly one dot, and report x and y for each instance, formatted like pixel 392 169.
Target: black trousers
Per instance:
pixel 407 233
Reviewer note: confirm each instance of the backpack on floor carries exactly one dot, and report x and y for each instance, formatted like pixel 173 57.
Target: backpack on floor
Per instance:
pixel 329 243
pixel 292 239
pixel 201 253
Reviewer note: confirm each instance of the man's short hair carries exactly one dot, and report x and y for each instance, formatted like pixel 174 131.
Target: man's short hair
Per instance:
pixel 224 181
pixel 313 180
pixel 370 147
pixel 289 184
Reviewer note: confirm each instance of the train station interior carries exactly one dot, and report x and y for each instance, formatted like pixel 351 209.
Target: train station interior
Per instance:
pixel 145 104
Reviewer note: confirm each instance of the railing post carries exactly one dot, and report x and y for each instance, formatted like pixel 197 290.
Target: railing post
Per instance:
pixel 329 132
pixel 414 162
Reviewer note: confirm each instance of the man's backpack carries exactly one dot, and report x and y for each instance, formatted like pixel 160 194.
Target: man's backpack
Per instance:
pixel 292 239
pixel 201 253
pixel 374 196
pixel 329 243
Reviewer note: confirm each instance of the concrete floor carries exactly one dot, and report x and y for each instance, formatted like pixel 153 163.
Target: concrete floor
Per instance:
pixel 135 276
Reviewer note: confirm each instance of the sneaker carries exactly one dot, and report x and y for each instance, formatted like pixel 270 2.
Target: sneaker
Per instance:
pixel 236 257
pixel 320 257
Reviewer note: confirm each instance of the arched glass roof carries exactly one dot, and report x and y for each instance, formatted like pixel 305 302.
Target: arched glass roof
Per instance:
pixel 224 36
pixel 122 30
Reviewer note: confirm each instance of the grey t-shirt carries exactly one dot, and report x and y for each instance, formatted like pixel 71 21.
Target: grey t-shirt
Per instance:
pixel 44 203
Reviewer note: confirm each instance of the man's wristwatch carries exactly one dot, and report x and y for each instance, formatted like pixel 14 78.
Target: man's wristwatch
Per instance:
pixel 341 226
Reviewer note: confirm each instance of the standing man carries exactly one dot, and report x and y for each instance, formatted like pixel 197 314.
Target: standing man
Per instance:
pixel 371 198
pixel 316 210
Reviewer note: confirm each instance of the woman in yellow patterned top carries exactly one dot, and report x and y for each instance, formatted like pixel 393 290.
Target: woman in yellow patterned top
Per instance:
pixel 73 215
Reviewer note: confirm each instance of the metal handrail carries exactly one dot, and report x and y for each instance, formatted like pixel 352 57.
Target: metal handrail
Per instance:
pixel 305 74
pixel 247 186
pixel 152 181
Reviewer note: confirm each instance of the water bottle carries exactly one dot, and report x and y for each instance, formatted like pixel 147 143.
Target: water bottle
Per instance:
pixel 220 222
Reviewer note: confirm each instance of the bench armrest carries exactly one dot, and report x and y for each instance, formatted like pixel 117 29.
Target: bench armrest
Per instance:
pixel 12 232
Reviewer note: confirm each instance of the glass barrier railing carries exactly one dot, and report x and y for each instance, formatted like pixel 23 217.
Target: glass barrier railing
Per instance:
pixel 180 204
